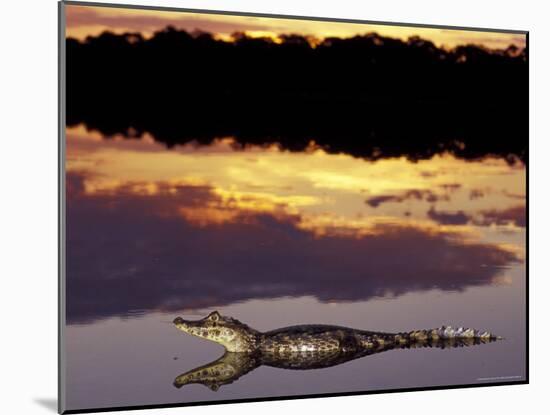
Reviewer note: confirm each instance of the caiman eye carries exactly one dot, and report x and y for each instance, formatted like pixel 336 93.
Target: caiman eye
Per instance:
pixel 214 316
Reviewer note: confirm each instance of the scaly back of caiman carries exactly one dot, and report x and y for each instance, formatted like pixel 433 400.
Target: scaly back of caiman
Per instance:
pixel 235 336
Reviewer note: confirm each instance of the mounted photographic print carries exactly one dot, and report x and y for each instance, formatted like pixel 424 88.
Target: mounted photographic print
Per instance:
pixel 259 207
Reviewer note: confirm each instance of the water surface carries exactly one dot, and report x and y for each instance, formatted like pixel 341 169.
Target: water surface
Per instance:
pixel 277 238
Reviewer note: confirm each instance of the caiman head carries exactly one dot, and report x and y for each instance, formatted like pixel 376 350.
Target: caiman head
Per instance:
pixel 230 333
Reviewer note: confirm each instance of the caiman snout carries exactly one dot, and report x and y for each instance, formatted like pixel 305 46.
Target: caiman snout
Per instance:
pixel 182 324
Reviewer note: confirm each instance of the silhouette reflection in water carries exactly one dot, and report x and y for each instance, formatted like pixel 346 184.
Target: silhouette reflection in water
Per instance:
pixel 200 227
pixel 369 96
pixel 232 366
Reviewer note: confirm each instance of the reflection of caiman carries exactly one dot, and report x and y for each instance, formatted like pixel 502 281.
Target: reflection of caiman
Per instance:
pixel 303 347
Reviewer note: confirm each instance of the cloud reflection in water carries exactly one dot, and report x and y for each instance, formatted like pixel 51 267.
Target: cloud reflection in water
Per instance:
pixel 135 249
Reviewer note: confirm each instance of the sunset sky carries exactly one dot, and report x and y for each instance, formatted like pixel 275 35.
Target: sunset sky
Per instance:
pixel 84 21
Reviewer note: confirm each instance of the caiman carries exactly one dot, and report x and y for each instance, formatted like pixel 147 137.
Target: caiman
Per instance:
pixel 303 347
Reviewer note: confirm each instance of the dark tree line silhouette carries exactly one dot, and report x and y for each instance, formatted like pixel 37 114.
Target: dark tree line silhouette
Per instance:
pixel 368 96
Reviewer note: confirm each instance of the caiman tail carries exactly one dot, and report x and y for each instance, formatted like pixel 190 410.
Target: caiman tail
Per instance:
pixel 445 336
pixel 450 333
